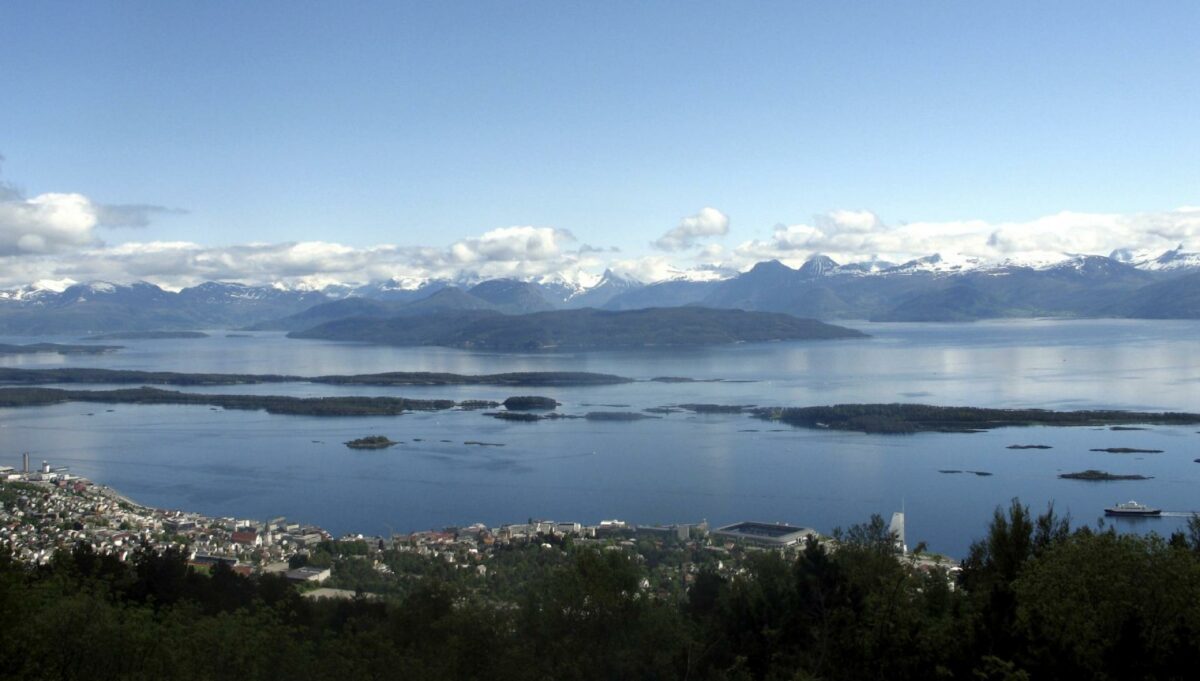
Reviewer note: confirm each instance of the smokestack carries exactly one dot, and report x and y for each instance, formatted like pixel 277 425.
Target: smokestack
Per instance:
pixel 25 462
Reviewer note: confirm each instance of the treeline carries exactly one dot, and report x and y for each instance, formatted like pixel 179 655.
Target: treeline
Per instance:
pixel 273 404
pixel 13 376
pixel 1034 600
pixel 914 418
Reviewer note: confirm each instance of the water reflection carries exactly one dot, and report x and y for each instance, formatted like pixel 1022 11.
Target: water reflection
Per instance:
pixel 683 467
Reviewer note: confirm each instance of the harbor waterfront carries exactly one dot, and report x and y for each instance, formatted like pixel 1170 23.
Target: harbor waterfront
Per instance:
pixel 450 470
pixel 47 512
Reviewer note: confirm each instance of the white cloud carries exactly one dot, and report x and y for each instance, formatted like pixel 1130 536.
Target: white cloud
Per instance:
pixel 709 222
pixel 52 237
pixel 512 244
pixel 57 222
pixel 850 236
pixel 649 268
pixel 47 223
pixel 523 252
pixel 532 252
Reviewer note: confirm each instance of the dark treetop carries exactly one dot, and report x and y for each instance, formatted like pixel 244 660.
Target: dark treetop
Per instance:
pixel 1035 599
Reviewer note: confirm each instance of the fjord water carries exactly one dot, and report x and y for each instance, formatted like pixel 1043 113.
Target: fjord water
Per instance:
pixel 681 468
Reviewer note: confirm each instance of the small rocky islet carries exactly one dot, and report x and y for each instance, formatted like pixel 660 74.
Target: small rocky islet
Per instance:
pixel 1125 450
pixel 1094 475
pixel 371 442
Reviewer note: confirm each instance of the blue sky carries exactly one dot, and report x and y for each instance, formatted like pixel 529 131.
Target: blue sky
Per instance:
pixel 423 124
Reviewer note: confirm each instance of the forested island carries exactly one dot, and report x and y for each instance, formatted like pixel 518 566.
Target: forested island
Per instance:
pixel 584 329
pixel 530 403
pixel 713 408
pixel 14 376
pixel 617 416
pixel 1126 450
pixel 55 348
pixel 879 419
pixel 273 404
pixel 146 335
pixel 916 418
pixel 1099 476
pixel 371 442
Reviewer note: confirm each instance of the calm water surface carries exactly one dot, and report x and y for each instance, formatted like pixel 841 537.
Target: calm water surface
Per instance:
pixel 680 468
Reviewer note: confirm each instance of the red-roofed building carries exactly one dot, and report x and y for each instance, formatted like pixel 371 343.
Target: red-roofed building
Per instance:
pixel 249 537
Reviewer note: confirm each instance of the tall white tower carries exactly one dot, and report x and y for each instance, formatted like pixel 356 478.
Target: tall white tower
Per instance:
pixel 896 528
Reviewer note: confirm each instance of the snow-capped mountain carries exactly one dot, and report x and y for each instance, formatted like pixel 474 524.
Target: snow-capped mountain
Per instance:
pixel 937 264
pixel 933 287
pixel 1174 259
pixel 30 294
pixel 608 286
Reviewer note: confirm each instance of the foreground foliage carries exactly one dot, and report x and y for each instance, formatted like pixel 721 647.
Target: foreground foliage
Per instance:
pixel 1034 600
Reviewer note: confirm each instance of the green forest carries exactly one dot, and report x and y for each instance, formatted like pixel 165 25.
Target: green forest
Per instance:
pixel 1034 599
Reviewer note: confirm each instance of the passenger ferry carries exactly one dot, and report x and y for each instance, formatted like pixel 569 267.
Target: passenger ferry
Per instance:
pixel 1132 508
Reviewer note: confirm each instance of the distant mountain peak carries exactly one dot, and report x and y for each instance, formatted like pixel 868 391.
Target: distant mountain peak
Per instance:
pixel 769 266
pixel 818 266
pixel 612 278
pixel 938 264
pixel 1091 265
pixel 1170 260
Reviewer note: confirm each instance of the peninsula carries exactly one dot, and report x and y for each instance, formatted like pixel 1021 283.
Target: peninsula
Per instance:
pixel 55 348
pixel 272 404
pixel 584 329
pixel 917 418
pixel 13 376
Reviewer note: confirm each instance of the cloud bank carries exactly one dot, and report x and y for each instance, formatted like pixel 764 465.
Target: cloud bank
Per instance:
pixel 54 238
pixel 853 236
pixel 522 252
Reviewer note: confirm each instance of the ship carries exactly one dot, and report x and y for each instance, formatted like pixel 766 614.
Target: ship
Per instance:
pixel 1132 508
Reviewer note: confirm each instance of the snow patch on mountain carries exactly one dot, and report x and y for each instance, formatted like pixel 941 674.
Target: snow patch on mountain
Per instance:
pixel 1174 259
pixel 938 264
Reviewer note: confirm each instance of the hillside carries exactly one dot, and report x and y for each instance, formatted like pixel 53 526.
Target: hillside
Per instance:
pixel 1177 298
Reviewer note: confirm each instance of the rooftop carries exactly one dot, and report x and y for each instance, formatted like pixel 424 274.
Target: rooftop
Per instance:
pixel 776 534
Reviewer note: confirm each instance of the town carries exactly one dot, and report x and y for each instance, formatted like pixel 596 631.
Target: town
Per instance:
pixel 47 510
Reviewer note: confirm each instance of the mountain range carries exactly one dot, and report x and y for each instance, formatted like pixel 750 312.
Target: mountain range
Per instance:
pixel 934 288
